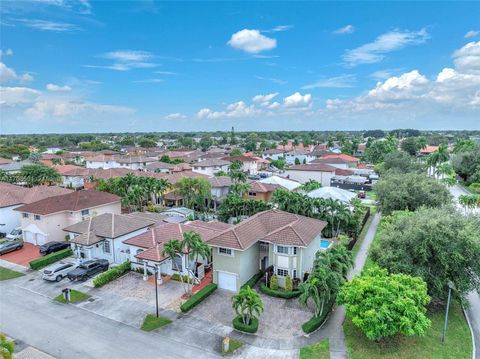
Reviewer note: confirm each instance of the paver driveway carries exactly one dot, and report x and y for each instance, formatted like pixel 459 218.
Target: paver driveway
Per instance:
pixel 281 319
pixel 28 253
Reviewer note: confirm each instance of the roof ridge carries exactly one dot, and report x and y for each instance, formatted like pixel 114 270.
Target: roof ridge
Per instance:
pixel 113 225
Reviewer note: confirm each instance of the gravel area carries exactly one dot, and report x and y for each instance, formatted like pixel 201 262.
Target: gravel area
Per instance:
pixel 281 319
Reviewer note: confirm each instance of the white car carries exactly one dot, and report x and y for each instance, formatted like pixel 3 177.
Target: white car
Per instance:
pixel 57 271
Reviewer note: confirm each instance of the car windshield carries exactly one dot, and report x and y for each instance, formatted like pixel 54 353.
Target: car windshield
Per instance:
pixel 16 232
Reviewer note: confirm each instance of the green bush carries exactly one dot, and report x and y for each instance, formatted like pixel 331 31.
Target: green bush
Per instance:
pixel 198 297
pixel 315 322
pixel 288 284
pixel 111 274
pixel 176 277
pixel 279 293
pixel 252 327
pixel 252 281
pixel 50 258
pixel 273 282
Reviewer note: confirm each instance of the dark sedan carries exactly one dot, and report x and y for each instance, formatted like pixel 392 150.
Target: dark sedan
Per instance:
pixel 51 247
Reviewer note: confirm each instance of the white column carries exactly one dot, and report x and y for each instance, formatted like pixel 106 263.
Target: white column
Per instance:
pixel 159 275
pixel 145 273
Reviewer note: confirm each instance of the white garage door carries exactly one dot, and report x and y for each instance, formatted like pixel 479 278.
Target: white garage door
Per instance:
pixel 29 237
pixel 41 239
pixel 227 281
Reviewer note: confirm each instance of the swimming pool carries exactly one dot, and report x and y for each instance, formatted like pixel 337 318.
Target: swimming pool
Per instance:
pixel 324 243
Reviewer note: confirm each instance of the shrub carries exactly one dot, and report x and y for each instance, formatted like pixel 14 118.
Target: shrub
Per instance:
pixel 252 327
pixel 50 258
pixel 315 322
pixel 252 281
pixel 273 282
pixel 198 297
pixel 279 293
pixel 111 274
pixel 176 277
pixel 288 284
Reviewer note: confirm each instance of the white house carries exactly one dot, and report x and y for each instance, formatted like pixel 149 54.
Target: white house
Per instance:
pixel 289 184
pixel 249 164
pixel 134 162
pixel 104 161
pixel 300 156
pixel 319 172
pixel 210 166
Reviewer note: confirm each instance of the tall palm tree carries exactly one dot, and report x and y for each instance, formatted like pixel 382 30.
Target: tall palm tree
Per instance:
pixel 440 155
pixel 190 245
pixel 247 303
pixel 173 249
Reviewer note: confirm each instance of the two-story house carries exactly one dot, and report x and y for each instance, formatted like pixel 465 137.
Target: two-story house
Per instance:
pixel 286 241
pixel 44 220
pixel 210 166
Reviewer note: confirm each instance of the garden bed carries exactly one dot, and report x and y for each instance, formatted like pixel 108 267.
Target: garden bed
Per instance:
pixel 50 258
pixel 251 328
pixel 75 296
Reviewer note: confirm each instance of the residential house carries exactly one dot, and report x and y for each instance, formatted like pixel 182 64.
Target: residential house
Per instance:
pixel 102 236
pixel 286 241
pixel 15 166
pixel 286 183
pixel 249 164
pixel 164 167
pixel 12 197
pixel 319 172
pixel 210 166
pixel 332 193
pixel 261 191
pixel 273 154
pixel 338 160
pixel 103 161
pixel 299 156
pixel 220 186
pixel 134 163
pixel 43 221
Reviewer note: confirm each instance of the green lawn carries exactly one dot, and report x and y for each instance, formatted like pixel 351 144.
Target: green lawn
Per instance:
pixel 362 235
pixel 151 322
pixel 234 345
pixel 457 345
pixel 320 350
pixel 75 296
pixel 6 274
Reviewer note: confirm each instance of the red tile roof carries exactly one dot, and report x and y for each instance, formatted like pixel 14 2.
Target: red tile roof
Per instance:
pixel 320 167
pixel 239 158
pixel 346 158
pixel 11 194
pixel 260 187
pixel 74 201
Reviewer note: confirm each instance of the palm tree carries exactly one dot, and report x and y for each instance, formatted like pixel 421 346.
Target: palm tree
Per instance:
pixel 173 249
pixel 444 169
pixel 310 290
pixel 421 142
pixel 7 347
pixel 440 155
pixel 246 304
pixel 468 201
pixel 191 245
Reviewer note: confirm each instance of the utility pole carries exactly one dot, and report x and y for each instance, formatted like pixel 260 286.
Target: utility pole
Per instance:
pixel 450 286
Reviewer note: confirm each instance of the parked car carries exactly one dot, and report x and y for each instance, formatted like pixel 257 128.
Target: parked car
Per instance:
pixel 15 233
pixel 9 245
pixel 361 194
pixel 58 271
pixel 53 246
pixel 88 269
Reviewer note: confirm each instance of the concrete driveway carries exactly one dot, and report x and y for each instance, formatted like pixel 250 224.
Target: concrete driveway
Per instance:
pixel 282 319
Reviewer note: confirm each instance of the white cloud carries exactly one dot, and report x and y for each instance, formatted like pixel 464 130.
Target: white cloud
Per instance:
pixel 298 100
pixel 46 25
pixel 128 55
pixel 206 113
pixel 175 116
pixel 7 52
pixel 58 88
pixel 8 74
pixel 279 28
pixel 375 51
pixel 13 96
pixel 342 81
pixel 471 33
pixel 149 81
pixel 169 73
pixel 345 30
pixel 273 80
pixel 467 58
pixel 264 98
pixel 251 41
pixel 125 60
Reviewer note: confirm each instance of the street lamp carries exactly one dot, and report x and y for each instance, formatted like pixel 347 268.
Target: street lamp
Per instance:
pixel 156 288
pixel 450 287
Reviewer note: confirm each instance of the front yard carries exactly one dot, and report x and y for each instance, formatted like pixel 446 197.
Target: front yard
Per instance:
pixel 282 318
pixel 6 274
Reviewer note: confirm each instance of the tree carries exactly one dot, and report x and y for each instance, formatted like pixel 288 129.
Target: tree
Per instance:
pixel 7 347
pixel 310 185
pixel 196 192
pixel 236 173
pixel 36 174
pixel 463 145
pixel 173 249
pixel 247 303
pixel 375 151
pixel 273 282
pixel 410 146
pixel 297 161
pixel 467 164
pixel 436 244
pixel 440 155
pixel 147 142
pixel 401 162
pixel 35 157
pixel 468 201
pixel 205 143
pixel 235 152
pixel 280 163
pixel 409 191
pixel 383 304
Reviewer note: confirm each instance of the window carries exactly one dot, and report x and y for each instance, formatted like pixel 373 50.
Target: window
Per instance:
pixel 225 251
pixel 282 272
pixel 25 215
pixel 106 247
pixel 294 273
pixel 294 250
pixel 85 212
pixel 36 217
pixel 282 249
pixel 252 194
pixel 177 264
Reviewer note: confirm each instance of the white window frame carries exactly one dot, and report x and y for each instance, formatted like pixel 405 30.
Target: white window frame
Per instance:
pixel 285 271
pixel 25 215
pixel 85 212
pixel 107 247
pixel 279 252
pixel 36 217
pixel 225 253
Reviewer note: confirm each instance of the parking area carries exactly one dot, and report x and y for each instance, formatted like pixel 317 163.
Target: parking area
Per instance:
pixel 281 319
pixel 28 253
pixel 132 286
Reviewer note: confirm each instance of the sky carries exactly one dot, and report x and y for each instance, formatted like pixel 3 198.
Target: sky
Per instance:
pixel 118 66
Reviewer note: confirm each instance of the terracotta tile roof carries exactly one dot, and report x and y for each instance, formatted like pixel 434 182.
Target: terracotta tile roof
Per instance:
pixel 220 181
pixel 346 158
pixel 11 194
pixel 74 201
pixel 211 162
pixel 61 169
pixel 87 239
pixel 344 172
pixel 110 225
pixel 239 158
pixel 260 187
pixel 134 159
pixel 320 167
pixel 272 226
pixel 429 149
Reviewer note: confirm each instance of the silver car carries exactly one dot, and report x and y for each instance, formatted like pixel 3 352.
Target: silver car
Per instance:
pixel 57 271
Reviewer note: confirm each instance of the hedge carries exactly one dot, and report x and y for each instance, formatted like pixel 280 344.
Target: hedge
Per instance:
pixel 247 328
pixel 198 297
pixel 111 274
pixel 176 277
pixel 252 281
pixel 279 293
pixel 315 322
pixel 50 258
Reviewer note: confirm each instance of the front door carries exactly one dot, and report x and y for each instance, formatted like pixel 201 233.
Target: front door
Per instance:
pixel 264 264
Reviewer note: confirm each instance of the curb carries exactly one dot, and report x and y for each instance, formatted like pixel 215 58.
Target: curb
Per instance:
pixel 471 332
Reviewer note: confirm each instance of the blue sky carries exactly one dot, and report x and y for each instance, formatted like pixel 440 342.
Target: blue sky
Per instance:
pixel 86 66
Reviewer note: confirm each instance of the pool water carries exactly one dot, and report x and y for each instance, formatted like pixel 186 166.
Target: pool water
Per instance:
pixel 324 244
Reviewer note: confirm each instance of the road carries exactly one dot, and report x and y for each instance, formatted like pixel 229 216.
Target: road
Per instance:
pixel 473 311
pixel 66 331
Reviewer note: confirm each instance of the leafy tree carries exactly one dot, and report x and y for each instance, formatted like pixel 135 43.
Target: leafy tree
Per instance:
pixel 463 145
pixel 196 192
pixel 273 282
pixel 280 163
pixel 310 185
pixel 36 174
pixel 374 134
pixel 297 161
pixel 437 244
pixel 247 303
pixel 205 143
pixel 288 283
pixel 233 206
pixel 147 142
pixel 409 191
pixel 467 164
pixel 468 201
pixel 236 152
pixel 410 146
pixel 236 173
pixel 383 304
pixel 401 162
pixel 376 151
pixel 220 173
pixel 7 347
pixel 35 157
